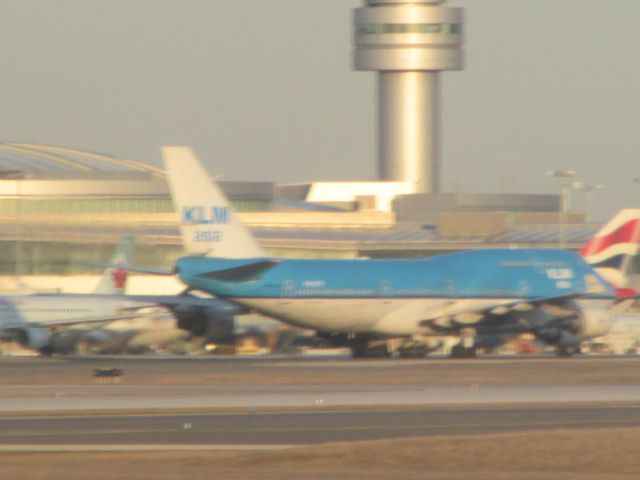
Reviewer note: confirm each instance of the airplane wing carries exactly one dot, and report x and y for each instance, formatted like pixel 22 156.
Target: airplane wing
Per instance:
pixel 66 322
pixel 184 301
pixel 128 268
pixel 209 317
pixel 135 303
pixel 626 304
pixel 508 315
pixel 202 316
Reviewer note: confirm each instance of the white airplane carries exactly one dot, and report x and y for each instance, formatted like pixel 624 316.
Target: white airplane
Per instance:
pixel 107 320
pixel 32 320
pixel 150 326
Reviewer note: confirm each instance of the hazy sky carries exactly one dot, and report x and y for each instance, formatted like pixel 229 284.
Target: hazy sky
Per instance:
pixel 264 90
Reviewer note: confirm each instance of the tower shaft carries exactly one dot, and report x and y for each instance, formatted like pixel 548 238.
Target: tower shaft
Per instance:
pixel 408 128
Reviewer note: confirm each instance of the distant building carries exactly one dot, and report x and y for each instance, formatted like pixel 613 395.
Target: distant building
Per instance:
pixel 59 206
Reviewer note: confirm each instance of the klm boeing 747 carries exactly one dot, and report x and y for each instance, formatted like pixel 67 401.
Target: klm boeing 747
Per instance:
pixel 553 294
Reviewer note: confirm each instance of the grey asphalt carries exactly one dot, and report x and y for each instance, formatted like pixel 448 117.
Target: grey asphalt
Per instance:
pixel 292 401
pixel 55 398
pixel 295 428
pixel 234 369
pixel 66 384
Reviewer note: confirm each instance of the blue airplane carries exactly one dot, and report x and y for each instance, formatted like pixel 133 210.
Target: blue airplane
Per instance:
pixel 551 293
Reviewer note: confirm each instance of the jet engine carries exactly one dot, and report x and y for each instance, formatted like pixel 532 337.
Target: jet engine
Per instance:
pixel 35 338
pixel 81 341
pixel 212 323
pixel 567 334
pixel 590 322
pixel 98 341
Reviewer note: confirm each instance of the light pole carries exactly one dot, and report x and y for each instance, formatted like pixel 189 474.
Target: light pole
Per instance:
pixel 565 188
pixel 588 194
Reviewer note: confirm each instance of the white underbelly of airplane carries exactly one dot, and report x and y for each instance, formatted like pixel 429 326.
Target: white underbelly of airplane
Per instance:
pixel 386 316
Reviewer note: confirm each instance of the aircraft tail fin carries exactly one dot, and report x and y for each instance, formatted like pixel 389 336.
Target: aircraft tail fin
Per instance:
pixel 114 278
pixel 208 223
pixel 613 251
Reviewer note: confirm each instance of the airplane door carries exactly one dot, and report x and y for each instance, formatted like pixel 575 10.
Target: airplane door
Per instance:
pixel 523 288
pixel 288 290
pixel 449 288
pixel 385 288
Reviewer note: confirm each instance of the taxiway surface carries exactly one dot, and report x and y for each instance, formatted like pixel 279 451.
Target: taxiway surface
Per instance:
pixel 304 427
pixel 289 401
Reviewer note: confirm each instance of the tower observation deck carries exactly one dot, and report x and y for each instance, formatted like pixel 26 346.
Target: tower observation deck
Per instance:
pixel 408 42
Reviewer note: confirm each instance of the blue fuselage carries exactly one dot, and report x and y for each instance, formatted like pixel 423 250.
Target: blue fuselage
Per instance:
pixel 403 297
pixel 496 273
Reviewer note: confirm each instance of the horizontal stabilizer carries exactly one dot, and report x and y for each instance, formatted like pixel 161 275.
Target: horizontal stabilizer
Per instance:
pixel 243 273
pixel 128 268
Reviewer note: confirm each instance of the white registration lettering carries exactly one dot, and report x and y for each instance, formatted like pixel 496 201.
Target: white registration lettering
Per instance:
pixel 559 273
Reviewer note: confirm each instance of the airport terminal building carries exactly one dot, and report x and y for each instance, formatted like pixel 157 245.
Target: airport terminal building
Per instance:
pixel 60 206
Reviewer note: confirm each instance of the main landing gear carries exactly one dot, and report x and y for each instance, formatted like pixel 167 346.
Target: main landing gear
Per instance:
pixel 567 350
pixel 364 347
pixel 466 347
pixel 460 351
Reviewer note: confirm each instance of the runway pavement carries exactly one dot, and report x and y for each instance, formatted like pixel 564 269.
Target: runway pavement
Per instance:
pixel 303 427
pixel 212 370
pixel 222 402
pixel 119 398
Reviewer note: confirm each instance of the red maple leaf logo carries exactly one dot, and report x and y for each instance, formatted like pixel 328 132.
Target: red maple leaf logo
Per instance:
pixel 119 277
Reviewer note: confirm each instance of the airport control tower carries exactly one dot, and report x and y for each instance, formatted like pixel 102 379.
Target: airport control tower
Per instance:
pixel 408 42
